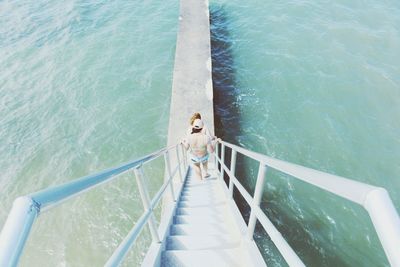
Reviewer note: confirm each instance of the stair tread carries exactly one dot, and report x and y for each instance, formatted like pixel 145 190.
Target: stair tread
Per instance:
pixel 210 208
pixel 202 229
pixel 199 204
pixel 184 219
pixel 216 241
pixel 233 257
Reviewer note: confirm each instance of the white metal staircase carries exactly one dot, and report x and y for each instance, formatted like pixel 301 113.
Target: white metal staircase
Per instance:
pixel 205 231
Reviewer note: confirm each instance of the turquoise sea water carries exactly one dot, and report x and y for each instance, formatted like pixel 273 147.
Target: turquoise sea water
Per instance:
pixel 85 86
pixel 316 83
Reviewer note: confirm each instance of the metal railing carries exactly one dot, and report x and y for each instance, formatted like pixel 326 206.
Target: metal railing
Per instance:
pixel 374 199
pixel 27 208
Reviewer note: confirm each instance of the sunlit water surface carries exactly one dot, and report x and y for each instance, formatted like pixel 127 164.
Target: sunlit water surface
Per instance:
pixel 86 86
pixel 315 83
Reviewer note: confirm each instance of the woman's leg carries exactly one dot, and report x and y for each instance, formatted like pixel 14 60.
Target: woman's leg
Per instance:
pixel 197 170
pixel 205 168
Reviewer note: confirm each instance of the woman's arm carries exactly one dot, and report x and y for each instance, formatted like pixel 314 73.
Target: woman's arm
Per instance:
pixel 211 145
pixel 185 143
pixel 208 133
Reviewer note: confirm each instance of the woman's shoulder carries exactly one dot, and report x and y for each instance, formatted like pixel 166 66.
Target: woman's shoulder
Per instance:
pixel 206 138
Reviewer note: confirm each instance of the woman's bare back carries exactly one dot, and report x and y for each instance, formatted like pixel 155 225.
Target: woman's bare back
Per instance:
pixel 198 144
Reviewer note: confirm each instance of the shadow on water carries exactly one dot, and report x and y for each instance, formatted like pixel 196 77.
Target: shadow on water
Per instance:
pixel 226 109
pixel 226 113
pixel 227 126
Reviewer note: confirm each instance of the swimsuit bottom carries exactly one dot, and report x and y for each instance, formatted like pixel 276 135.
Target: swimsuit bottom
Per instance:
pixel 195 159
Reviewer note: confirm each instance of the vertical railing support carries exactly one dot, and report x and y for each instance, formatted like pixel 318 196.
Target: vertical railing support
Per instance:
pixel 184 156
pixel 216 156
pixel 144 194
pixel 170 178
pixel 232 170
pixel 386 222
pixel 222 161
pixel 257 199
pixel 16 230
pixel 179 163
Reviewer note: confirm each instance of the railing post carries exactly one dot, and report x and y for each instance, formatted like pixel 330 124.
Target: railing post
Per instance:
pixel 144 194
pixel 216 155
pixel 170 179
pixel 179 163
pixel 16 230
pixel 386 222
pixel 184 156
pixel 257 199
pixel 232 170
pixel 222 161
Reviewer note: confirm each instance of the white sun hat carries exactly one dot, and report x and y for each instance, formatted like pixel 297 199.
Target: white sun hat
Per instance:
pixel 198 124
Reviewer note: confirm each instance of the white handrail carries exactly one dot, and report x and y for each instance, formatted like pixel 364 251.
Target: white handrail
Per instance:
pixel 121 251
pixel 286 250
pixel 119 254
pixel 375 200
pixel 27 208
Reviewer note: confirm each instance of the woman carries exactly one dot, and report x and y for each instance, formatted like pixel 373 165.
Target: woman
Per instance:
pixel 200 146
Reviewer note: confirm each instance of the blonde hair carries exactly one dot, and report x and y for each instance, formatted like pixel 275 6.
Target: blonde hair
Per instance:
pixel 194 117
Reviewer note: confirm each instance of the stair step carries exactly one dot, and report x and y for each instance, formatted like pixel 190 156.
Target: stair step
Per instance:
pixel 198 192
pixel 194 188
pixel 203 211
pixel 205 191
pixel 199 184
pixel 202 185
pixel 183 219
pixel 201 258
pixel 201 242
pixel 200 229
pixel 196 204
pixel 209 194
pixel 201 196
pixel 204 200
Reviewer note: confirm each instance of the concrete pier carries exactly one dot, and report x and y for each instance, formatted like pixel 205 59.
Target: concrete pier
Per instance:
pixel 192 89
pixel 192 92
